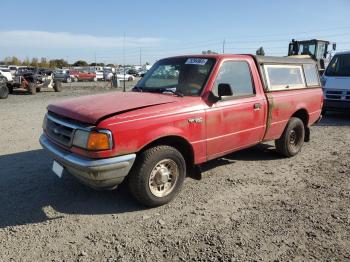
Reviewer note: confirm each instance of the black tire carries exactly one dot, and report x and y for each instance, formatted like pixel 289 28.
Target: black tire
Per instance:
pixel 146 162
pixel 57 86
pixel 69 80
pixel 130 79
pixel 292 138
pixel 10 88
pixel 32 88
pixel 38 89
pixel 4 92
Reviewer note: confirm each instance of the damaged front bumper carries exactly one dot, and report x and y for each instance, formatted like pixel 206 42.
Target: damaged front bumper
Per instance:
pixel 105 173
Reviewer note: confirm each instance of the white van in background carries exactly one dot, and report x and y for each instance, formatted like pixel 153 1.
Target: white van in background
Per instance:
pixel 336 83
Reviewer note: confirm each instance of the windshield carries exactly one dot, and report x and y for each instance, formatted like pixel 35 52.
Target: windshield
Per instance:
pixel 339 66
pixel 181 75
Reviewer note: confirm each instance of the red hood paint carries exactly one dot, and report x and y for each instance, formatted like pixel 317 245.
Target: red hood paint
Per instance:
pixel 89 109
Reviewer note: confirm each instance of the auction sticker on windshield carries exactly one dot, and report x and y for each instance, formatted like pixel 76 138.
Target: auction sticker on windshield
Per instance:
pixel 196 61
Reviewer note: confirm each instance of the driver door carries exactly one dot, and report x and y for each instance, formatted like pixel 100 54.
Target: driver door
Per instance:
pixel 236 121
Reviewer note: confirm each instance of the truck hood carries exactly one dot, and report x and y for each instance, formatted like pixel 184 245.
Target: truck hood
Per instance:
pixel 91 109
pixel 337 82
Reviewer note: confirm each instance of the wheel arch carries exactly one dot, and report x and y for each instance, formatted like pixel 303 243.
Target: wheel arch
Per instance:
pixel 304 116
pixel 178 142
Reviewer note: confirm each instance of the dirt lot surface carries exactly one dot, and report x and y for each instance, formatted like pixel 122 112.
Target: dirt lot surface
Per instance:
pixel 250 205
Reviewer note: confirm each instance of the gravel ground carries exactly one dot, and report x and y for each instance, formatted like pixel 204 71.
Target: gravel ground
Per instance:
pixel 250 205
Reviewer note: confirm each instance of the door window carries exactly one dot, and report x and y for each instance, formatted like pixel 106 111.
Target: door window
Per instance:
pixel 237 75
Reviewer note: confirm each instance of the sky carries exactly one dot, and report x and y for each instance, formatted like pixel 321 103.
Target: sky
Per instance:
pixel 133 31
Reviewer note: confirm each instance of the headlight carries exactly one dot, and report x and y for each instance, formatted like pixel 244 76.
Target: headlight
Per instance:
pixel 95 140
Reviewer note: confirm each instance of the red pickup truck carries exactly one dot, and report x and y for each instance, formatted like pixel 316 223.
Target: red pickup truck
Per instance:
pixel 185 111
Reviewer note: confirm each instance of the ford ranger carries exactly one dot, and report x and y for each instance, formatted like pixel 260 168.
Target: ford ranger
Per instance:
pixel 185 111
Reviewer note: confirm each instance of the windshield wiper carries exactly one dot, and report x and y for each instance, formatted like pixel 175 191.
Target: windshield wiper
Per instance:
pixel 137 89
pixel 173 92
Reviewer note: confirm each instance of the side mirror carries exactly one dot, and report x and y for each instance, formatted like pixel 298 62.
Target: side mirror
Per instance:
pixel 224 90
pixel 334 46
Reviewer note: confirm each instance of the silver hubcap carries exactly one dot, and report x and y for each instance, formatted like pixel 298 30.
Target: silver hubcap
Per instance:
pixel 163 178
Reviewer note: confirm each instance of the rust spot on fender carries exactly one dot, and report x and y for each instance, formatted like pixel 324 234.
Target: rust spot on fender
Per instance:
pixel 269 112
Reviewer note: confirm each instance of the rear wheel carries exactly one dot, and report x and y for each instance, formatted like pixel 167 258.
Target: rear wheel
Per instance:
pixel 4 92
pixel 292 138
pixel 57 86
pixel 69 80
pixel 38 89
pixel 130 79
pixel 32 88
pixel 157 175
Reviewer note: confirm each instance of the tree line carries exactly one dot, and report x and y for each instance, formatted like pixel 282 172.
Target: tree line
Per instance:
pixel 46 63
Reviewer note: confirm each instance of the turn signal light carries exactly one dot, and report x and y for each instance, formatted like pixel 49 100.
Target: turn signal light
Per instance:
pixel 98 141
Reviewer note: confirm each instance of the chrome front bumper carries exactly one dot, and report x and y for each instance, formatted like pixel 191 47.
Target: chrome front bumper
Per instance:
pixel 104 173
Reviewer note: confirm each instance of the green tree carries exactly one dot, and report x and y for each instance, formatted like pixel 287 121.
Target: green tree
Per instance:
pixel 80 63
pixel 12 61
pixel 97 64
pixel 34 62
pixel 60 63
pixel 26 61
pixel 43 63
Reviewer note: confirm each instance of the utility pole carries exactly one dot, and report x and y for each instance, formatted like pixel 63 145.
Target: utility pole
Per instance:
pixel 140 56
pixel 223 46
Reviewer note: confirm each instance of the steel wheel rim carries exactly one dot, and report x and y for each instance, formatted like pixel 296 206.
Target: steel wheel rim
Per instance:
pixel 294 138
pixel 163 178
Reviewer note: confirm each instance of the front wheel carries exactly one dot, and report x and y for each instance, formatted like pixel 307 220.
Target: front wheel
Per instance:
pixel 4 92
pixel 157 176
pixel 292 138
pixel 32 88
pixel 57 86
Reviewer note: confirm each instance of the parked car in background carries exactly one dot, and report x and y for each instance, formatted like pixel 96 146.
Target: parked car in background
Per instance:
pixel 142 73
pixel 99 75
pixel 62 75
pixel 86 76
pixel 14 68
pixel 34 79
pixel 133 72
pixel 5 72
pixel 108 74
pixel 336 83
pixel 125 77
pixel 158 134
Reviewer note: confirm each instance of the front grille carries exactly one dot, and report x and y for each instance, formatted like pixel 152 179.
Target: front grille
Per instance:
pixel 338 95
pixel 59 131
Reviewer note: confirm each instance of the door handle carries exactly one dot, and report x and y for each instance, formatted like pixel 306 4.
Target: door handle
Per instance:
pixel 257 106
